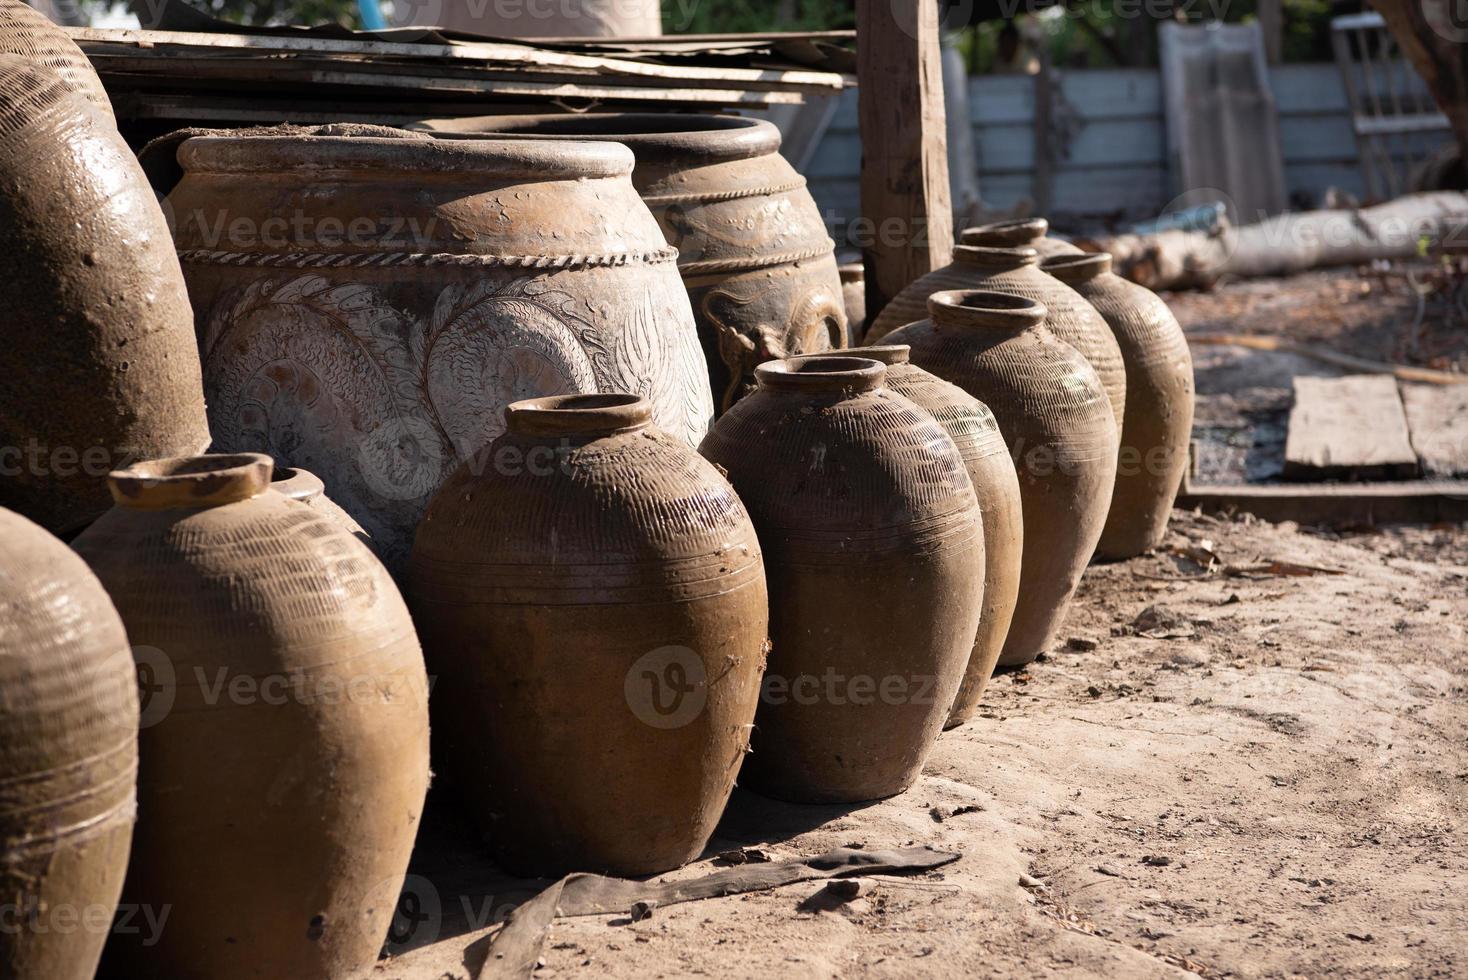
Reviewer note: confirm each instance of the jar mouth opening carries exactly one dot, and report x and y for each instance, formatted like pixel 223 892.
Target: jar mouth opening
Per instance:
pixel 1008 233
pixel 191 481
pixel 995 256
pixel 650 135
pixel 1077 268
pixel 822 372
pixel 985 308
pixel 581 414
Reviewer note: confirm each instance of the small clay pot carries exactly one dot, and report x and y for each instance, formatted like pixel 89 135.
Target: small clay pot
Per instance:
pixel 1159 405
pixel 1019 233
pixel 30 34
pixel 874 550
pixel 1017 271
pixel 68 756
pixel 284 748
pixel 1061 434
pixel 985 454
pixel 305 487
pixel 99 364
pixel 593 603
pixel 854 299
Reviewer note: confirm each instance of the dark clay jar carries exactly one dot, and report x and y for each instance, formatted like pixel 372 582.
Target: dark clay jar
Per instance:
pixel 873 546
pixel 1061 434
pixel 593 602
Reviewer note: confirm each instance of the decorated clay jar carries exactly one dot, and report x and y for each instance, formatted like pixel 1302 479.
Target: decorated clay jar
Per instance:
pixel 1055 416
pixel 1159 401
pixel 593 605
pixel 68 757
pixel 752 247
pixel 1017 271
pixel 368 304
pixel 30 34
pixel 874 549
pixel 1019 233
pixel 985 454
pixel 284 744
pixel 98 360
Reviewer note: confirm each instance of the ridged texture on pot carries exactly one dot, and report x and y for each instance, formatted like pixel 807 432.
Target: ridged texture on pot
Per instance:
pixel 1019 233
pixel 28 33
pixel 873 547
pixel 593 604
pixel 381 300
pixel 1159 405
pixel 752 247
pixel 307 488
pixel 284 747
pixel 985 454
pixel 99 364
pixel 1017 271
pixel 1055 417
pixel 68 757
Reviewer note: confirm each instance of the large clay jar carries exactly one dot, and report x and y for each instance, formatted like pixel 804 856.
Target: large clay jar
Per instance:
pixel 27 32
pixel 752 247
pixel 284 747
pixel 854 300
pixel 593 606
pixel 368 305
pixel 985 454
pixel 874 548
pixel 68 757
pixel 98 361
pixel 1057 421
pixel 1019 233
pixel 1017 271
pixel 1159 402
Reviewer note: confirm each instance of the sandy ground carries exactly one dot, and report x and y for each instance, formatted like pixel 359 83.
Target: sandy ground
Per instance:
pixel 1273 784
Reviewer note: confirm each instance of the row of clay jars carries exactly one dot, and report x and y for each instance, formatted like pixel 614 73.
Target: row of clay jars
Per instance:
pixel 284 741
pixel 753 250
pixel 100 366
pixel 874 549
pixel 592 600
pixel 1056 418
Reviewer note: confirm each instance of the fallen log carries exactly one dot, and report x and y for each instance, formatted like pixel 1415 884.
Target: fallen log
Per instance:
pixel 1287 243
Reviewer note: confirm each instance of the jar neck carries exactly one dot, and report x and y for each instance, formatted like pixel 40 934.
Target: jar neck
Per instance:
pixel 822 374
pixel 888 354
pixel 191 482
pixel 578 417
pixel 975 309
pixel 1078 268
pixel 992 259
pixel 1015 233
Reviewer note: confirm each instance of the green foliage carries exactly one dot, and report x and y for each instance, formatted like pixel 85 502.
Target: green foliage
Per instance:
pixel 756 16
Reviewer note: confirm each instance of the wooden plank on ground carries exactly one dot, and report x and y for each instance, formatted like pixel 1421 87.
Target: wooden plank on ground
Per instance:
pixel 1350 428
pixel 1437 418
pixel 1336 504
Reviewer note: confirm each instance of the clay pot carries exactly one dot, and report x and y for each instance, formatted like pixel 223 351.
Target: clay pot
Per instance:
pixel 1159 402
pixel 752 247
pixel 68 757
pixel 307 488
pixel 1017 271
pixel 874 548
pixel 284 748
pixel 30 34
pixel 975 432
pixel 595 694
pixel 368 305
pixel 1019 233
pixel 854 300
pixel 98 362
pixel 1055 417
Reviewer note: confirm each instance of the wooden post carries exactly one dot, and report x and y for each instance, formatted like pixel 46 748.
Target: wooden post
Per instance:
pixel 904 159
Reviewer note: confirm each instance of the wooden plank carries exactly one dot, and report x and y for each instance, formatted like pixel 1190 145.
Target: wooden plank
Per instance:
pixel 1437 417
pixel 904 163
pixel 1350 428
pixel 1337 504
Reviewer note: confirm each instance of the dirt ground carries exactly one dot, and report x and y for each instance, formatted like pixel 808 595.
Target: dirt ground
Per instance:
pixel 1272 782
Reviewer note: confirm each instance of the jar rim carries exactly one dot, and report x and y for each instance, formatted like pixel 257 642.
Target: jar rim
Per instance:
pixel 594 414
pixel 650 135
pixel 1008 233
pixel 1078 268
pixel 985 308
pixel 191 482
pixel 822 372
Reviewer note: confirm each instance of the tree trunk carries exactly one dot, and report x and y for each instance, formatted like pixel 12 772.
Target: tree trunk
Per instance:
pixel 1434 36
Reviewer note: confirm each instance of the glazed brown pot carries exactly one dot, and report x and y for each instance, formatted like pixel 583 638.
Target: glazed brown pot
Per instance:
pixel 593 604
pixel 368 305
pixel 874 548
pixel 68 757
pixel 1159 405
pixel 752 247
pixel 284 747
pixel 1055 417
pixel 30 34
pixel 985 454
pixel 307 488
pixel 98 362
pixel 1017 271
pixel 1019 233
